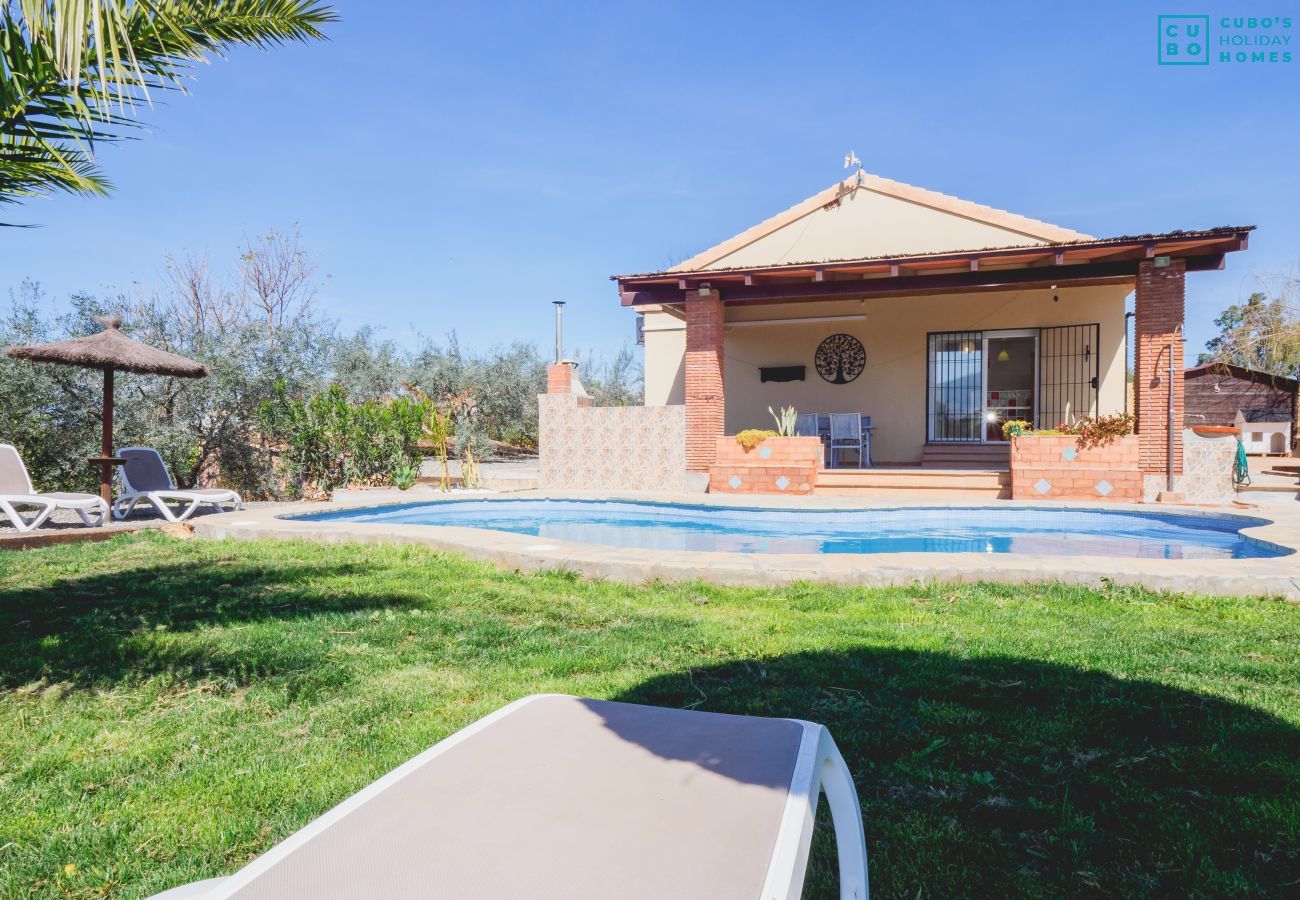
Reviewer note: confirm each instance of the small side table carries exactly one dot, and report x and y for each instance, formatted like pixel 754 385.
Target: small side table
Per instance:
pixel 106 464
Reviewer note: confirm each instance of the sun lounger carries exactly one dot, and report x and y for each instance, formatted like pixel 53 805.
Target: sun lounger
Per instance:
pixel 145 478
pixel 560 797
pixel 16 490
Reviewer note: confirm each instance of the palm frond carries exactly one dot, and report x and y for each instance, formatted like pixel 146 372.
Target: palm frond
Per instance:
pixel 77 72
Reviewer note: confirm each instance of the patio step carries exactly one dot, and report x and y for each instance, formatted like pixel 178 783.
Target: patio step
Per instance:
pixel 966 456
pixel 953 483
pixel 1269 493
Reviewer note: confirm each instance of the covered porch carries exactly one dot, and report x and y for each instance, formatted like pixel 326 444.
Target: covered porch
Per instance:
pixel 938 350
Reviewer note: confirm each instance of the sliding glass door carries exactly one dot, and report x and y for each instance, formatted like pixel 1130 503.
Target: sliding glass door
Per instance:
pixel 1010 376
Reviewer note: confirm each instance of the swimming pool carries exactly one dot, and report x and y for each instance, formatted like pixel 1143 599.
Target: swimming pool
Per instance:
pixel 1007 529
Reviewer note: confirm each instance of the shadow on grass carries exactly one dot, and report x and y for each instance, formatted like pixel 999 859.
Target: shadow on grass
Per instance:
pixel 95 629
pixel 1005 777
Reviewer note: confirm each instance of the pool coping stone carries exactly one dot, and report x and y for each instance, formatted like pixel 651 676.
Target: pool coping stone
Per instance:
pixel 1278 576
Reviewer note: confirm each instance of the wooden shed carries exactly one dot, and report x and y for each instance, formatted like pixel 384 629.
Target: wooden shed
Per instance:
pixel 1214 393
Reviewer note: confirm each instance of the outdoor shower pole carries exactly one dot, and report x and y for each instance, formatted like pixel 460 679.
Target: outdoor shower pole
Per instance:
pixel 1169 463
pixel 559 331
pixel 1127 348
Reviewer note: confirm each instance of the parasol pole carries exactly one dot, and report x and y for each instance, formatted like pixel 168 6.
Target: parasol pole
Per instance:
pixel 106 444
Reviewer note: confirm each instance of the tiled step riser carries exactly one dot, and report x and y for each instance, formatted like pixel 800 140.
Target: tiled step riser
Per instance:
pixel 915 493
pixel 918 481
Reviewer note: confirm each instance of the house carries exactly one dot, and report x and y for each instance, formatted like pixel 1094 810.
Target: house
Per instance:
pixel 938 317
pixel 1261 404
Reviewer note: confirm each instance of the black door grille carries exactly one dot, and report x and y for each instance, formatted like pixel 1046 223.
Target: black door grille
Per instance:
pixel 955 386
pixel 1068 373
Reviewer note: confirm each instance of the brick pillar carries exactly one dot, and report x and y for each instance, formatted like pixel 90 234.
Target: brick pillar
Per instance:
pixel 559 378
pixel 704 395
pixel 1158 313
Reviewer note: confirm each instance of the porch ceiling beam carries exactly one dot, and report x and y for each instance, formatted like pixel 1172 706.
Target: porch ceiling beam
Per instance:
pixel 1145 252
pixel 1056 257
pixel 920 283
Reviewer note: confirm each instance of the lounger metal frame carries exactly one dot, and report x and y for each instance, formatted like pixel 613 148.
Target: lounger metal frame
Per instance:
pixel 91 508
pixel 131 496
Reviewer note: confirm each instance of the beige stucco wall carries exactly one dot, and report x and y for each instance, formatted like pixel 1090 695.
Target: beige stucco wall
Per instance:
pixel 665 353
pixel 892 388
pixel 867 223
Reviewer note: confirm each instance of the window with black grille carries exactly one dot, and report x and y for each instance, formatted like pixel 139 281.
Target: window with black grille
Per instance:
pixel 955 385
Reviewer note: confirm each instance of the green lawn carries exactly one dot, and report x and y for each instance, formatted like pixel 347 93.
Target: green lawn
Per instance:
pixel 169 709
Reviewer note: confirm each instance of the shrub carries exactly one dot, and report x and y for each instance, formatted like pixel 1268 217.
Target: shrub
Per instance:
pixel 404 477
pixel 785 420
pixel 1099 431
pixel 331 442
pixel 752 437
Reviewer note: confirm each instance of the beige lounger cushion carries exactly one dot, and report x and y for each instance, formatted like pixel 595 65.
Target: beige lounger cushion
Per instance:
pixel 568 799
pixel 13 474
pixel 72 498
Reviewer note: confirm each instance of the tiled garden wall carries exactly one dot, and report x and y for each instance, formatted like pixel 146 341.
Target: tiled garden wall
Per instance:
pixel 631 448
pixel 1207 467
pixel 779 465
pixel 1054 468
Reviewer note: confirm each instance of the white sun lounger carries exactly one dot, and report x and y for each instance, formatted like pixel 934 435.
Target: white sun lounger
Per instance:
pixel 572 799
pixel 16 490
pixel 145 478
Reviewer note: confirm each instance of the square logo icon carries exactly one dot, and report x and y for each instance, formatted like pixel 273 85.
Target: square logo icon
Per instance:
pixel 1183 40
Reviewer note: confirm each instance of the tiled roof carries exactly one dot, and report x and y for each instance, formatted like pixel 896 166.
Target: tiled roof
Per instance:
pixel 1221 230
pixel 1001 218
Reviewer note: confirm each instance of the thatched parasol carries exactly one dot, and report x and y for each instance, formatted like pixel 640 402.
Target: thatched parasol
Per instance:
pixel 110 350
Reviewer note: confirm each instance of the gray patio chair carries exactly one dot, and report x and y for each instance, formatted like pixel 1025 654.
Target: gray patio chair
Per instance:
pixel 806 425
pixel 16 490
pixel 556 796
pixel 846 434
pixel 145 479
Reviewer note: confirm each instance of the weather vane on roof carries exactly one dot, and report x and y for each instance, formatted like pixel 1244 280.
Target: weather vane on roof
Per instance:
pixel 851 160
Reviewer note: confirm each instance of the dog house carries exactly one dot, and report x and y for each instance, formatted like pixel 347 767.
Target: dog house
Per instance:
pixel 1265 431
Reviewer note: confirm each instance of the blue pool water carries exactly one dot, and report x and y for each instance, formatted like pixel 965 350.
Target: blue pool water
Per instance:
pixel 1010 529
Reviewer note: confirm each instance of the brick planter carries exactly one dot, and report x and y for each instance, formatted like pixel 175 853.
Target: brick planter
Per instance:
pixel 779 465
pixel 1054 468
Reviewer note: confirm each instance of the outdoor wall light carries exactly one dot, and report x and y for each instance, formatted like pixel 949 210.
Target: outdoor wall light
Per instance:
pixel 1056 298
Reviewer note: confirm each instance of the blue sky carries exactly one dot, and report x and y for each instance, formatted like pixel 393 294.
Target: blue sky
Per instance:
pixel 461 165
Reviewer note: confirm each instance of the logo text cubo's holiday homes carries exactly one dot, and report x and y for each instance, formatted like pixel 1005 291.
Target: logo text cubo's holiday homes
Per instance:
pixel 1199 40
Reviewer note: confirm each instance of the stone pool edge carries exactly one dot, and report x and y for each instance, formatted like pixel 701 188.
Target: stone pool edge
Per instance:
pixel 1279 576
